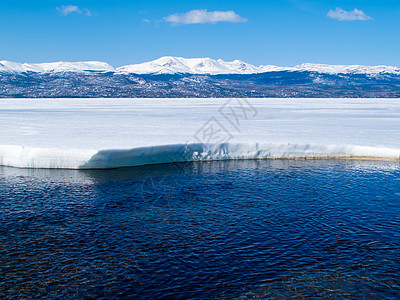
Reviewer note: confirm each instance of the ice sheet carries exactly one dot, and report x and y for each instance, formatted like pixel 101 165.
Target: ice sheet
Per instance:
pixel 107 133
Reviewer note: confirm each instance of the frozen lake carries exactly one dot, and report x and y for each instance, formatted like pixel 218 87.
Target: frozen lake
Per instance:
pixel 104 133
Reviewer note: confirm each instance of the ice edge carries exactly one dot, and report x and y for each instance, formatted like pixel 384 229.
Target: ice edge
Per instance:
pixel 56 158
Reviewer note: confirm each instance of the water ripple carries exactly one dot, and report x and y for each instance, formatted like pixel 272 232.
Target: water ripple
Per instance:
pixel 239 229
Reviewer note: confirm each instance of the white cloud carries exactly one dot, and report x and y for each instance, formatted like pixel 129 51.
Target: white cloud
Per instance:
pixel 343 15
pixel 201 16
pixel 87 12
pixel 69 9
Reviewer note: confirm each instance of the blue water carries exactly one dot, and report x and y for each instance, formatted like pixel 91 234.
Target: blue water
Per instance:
pixel 239 229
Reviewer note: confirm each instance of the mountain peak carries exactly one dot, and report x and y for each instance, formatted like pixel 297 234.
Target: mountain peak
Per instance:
pixel 173 65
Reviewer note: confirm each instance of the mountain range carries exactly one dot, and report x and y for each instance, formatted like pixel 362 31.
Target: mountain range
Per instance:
pixel 195 77
pixel 179 65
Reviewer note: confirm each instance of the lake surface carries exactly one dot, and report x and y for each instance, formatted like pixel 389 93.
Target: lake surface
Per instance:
pixel 233 229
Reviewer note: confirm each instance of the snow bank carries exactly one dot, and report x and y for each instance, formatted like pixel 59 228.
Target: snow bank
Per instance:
pixel 18 156
pixel 49 158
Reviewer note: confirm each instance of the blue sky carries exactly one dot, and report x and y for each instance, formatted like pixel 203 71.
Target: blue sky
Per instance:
pixel 120 32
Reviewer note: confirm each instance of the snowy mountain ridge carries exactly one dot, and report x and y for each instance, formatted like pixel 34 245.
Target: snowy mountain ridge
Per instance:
pixel 179 65
pixel 78 67
pixel 173 65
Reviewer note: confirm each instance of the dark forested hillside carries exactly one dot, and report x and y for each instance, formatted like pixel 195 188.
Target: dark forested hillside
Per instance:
pixel 271 84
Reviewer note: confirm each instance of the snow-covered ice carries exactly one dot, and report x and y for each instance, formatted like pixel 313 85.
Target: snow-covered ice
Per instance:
pixel 109 133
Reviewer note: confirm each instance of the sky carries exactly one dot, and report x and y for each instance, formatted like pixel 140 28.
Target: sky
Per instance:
pixel 268 32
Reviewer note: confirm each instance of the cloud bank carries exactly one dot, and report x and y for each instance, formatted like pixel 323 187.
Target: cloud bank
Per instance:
pixel 202 16
pixel 343 15
pixel 65 10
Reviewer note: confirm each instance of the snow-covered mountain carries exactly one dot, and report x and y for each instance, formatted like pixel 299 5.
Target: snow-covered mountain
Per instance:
pixel 173 65
pixel 179 65
pixel 345 69
pixel 77 67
